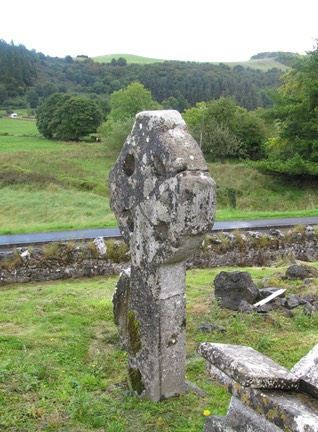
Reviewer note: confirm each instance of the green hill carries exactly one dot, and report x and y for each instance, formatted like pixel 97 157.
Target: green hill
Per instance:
pixel 263 64
pixel 130 58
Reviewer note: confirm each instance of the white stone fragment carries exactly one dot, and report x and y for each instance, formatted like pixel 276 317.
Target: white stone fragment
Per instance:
pixel 25 255
pixel 100 246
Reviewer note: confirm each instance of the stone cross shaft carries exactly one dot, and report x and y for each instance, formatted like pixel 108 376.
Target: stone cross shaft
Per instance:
pixel 164 201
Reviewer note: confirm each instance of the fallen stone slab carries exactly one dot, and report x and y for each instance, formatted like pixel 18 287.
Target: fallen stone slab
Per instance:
pixel 307 371
pixel 291 411
pixel 248 367
pixel 239 418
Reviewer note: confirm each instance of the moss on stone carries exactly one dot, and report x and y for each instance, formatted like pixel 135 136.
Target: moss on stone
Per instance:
pixel 117 252
pixel 134 344
pixel 135 381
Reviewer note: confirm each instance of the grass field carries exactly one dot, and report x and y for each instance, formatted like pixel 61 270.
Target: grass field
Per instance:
pixel 51 185
pixel 131 58
pixel 262 64
pixel 61 367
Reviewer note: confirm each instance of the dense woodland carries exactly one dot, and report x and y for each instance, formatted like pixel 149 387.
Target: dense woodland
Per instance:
pixel 27 77
pixel 268 117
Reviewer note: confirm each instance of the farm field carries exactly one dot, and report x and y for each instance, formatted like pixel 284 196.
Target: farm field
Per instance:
pixel 61 366
pixel 54 185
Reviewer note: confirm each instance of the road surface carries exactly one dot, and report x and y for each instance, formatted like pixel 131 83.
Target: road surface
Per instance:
pixel 46 237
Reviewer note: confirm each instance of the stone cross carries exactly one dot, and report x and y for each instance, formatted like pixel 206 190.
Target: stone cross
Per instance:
pixel 164 200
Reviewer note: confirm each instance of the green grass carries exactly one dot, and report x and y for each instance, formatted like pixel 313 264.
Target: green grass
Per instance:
pixel 52 209
pixel 61 368
pixel 262 64
pixel 131 58
pixel 18 127
pixel 54 185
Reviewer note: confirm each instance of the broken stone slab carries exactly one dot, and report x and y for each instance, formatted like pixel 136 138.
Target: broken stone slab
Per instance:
pixel 244 419
pixel 307 371
pixel 217 375
pixel 281 407
pixel 217 424
pixel 239 418
pixel 233 287
pixel 248 367
pixel 290 411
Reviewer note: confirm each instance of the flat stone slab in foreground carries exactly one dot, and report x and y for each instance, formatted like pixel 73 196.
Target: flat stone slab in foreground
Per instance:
pixel 248 367
pixel 266 397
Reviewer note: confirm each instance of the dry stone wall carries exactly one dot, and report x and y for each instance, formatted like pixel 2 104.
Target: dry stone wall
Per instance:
pixel 74 260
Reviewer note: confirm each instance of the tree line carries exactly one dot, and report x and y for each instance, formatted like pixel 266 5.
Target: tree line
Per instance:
pixel 278 137
pixel 29 77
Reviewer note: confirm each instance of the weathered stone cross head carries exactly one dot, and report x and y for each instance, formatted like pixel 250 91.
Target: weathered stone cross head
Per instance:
pixel 164 200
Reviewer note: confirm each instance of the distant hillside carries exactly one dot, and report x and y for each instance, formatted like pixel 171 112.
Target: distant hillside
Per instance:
pixel 261 64
pixel 28 77
pixel 130 58
pixel 256 62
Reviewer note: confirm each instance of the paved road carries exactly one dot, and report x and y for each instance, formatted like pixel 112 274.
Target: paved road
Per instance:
pixel 44 237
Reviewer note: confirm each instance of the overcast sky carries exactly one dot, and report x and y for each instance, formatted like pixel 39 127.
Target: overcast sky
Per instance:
pixel 197 30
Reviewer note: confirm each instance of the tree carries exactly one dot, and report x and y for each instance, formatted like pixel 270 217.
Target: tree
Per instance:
pixel 33 98
pixel 294 150
pixel 47 119
pixel 226 130
pixel 3 94
pixel 125 104
pixel 220 141
pixel 65 117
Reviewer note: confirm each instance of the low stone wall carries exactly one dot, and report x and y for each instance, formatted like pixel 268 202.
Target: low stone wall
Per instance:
pixel 254 249
pixel 58 261
pixel 74 260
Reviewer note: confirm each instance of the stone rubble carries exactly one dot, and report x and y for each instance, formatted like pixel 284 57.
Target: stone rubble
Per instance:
pixel 236 291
